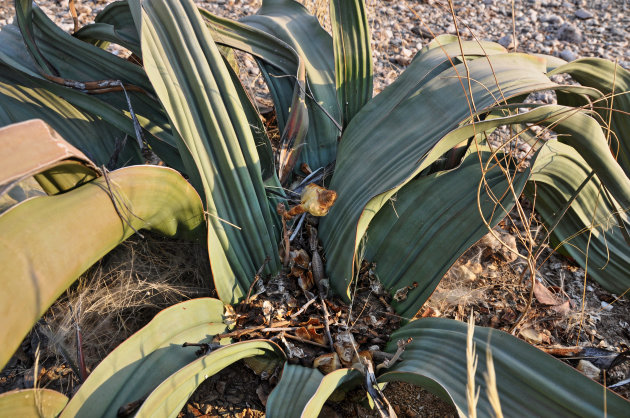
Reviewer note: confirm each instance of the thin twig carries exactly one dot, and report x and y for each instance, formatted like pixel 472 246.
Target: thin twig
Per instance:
pixel 296 338
pixel 75 17
pixel 401 348
pixel 245 331
pixel 80 357
pixel 317 266
pixel 381 403
pixel 115 203
pixel 281 210
pixel 256 278
pixel 304 307
pixel 327 323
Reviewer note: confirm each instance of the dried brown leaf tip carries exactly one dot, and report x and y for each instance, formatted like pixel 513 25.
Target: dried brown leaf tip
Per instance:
pixel 315 200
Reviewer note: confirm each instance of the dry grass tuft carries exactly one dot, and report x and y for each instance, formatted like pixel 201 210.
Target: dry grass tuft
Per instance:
pixel 121 293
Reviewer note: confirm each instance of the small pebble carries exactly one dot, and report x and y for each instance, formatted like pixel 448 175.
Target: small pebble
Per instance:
pixel 507 41
pixel 568 55
pixel 569 32
pixel 583 14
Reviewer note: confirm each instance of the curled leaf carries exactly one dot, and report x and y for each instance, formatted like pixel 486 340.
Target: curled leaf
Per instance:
pixel 318 200
pixel 327 363
pixel 315 200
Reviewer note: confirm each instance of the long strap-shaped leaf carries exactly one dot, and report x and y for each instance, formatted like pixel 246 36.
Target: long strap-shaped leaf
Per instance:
pixel 169 398
pixel 422 70
pixel 302 391
pixel 195 88
pixel 271 52
pixel 113 24
pixel 529 382
pixel 404 136
pixel 86 62
pixel 614 82
pixel 81 61
pixel 47 242
pixel 428 211
pixel 143 362
pixel 416 142
pixel 411 240
pixel 24 18
pixel 589 229
pixel 290 21
pixel 23 97
pixel 33 403
pixel 253 41
pixel 353 55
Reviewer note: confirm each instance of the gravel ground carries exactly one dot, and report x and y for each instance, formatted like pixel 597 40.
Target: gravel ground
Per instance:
pixel 568 29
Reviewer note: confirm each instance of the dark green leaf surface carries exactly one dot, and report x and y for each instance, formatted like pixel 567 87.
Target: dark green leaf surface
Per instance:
pixel 170 396
pixel 529 382
pixel 113 24
pixel 23 97
pixel 557 175
pixel 81 61
pixel 195 88
pixel 353 55
pixel 290 22
pixel 302 391
pixel 610 79
pixel 271 53
pixel 411 239
pixel 253 41
pixel 411 124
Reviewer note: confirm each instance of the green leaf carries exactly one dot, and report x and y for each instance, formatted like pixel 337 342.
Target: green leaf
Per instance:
pixel 290 22
pixel 424 68
pixel 113 24
pixel 24 19
pixel 426 214
pixel 26 403
pixel 409 123
pixel 528 380
pixel 141 363
pixel 331 382
pixel 253 41
pixel 441 41
pixel 23 98
pixel 589 230
pixel 37 268
pixel 272 53
pixel 195 88
pixel 170 396
pixel 80 61
pixel 302 391
pixel 609 78
pixel 353 55
pixel 261 139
